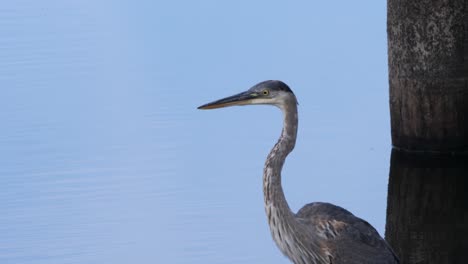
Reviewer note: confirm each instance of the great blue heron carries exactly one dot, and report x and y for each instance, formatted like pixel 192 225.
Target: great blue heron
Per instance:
pixel 319 232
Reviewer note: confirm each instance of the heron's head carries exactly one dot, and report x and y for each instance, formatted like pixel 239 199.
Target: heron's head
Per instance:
pixel 268 92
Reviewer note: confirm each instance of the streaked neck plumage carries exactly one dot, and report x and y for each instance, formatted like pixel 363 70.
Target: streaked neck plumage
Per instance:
pixel 273 192
pixel 283 224
pixel 280 216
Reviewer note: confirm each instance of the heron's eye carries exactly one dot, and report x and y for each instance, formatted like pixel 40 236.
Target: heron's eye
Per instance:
pixel 265 92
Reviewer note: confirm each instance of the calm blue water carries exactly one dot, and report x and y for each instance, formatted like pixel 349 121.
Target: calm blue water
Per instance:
pixel 105 159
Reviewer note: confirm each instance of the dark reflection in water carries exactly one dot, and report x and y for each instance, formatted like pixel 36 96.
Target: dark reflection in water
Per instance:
pixel 427 213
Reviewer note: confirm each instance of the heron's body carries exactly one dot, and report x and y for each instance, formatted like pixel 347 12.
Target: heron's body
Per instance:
pixel 320 232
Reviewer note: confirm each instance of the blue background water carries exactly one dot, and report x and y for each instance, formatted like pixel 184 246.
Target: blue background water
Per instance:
pixel 105 159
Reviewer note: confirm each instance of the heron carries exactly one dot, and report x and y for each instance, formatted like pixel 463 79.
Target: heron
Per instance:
pixel 319 232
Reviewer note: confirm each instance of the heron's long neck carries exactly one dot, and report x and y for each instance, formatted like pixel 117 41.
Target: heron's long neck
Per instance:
pixel 272 190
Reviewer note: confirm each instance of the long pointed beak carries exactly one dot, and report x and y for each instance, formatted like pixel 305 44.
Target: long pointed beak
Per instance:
pixel 243 98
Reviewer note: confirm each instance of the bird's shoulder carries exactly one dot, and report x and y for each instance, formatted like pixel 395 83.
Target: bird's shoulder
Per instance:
pixel 331 220
pixel 324 210
pixel 346 235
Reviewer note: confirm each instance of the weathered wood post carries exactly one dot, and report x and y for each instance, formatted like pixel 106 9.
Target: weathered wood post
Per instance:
pixel 428 72
pixel 427 211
